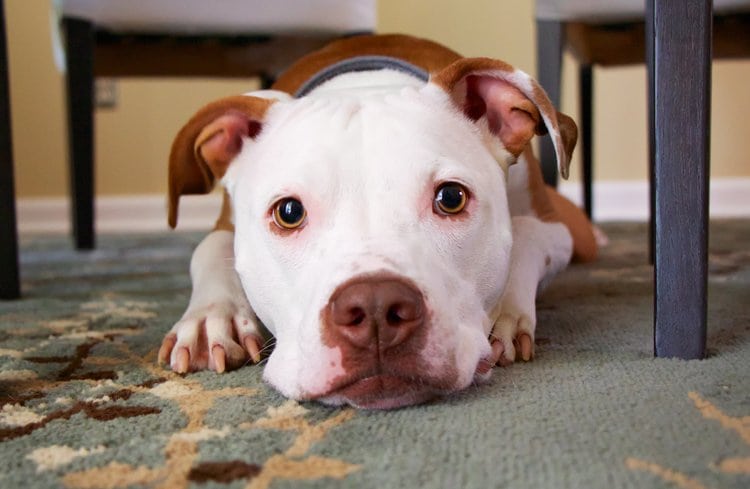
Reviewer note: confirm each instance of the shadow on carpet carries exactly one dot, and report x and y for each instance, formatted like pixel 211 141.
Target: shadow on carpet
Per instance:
pixel 84 404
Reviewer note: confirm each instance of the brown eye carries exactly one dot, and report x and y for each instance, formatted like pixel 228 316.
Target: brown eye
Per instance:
pixel 450 198
pixel 289 213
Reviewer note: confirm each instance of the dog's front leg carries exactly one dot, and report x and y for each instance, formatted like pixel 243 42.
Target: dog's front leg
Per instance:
pixel 219 329
pixel 540 250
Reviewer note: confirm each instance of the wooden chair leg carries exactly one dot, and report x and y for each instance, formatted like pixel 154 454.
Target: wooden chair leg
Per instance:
pixel 682 36
pixel 79 40
pixel 586 100
pixel 10 287
pixel 549 38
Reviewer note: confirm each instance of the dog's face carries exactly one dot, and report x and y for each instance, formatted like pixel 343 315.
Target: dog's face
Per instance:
pixel 372 238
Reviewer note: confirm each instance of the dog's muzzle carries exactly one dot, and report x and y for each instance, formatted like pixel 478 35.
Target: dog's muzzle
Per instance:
pixel 380 324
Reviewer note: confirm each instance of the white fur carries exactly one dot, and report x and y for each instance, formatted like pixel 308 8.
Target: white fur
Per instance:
pixel 217 303
pixel 544 250
pixel 366 168
pixel 364 154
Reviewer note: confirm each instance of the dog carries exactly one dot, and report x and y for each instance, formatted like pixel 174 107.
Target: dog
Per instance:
pixel 384 219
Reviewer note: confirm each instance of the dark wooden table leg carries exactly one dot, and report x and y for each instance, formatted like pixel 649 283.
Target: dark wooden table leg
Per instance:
pixel 651 130
pixel 10 287
pixel 586 100
pixel 79 47
pixel 682 71
pixel 549 39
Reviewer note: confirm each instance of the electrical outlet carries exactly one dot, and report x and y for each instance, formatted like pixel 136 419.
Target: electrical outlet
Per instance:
pixel 106 93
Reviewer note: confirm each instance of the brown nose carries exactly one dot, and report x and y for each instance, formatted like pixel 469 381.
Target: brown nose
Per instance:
pixel 375 312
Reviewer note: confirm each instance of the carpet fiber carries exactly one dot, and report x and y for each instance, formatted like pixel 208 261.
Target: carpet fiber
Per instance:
pixel 84 404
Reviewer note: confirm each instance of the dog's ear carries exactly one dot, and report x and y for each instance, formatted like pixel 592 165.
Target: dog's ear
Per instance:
pixel 207 144
pixel 514 104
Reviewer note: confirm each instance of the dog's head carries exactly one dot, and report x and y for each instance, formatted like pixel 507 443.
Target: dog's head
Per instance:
pixel 372 233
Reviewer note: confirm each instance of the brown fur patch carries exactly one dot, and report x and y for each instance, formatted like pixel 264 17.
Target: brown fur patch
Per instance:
pixel 550 206
pixel 568 133
pixel 224 222
pixel 448 78
pixel 585 248
pixel 188 172
pixel 540 201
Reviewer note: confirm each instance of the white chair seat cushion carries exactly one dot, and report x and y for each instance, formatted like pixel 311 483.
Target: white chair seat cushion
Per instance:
pixel 613 10
pixel 224 16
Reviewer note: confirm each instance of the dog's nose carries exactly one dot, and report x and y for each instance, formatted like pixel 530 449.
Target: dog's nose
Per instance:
pixel 375 312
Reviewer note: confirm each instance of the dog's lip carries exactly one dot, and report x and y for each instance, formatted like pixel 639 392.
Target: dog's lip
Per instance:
pixel 382 391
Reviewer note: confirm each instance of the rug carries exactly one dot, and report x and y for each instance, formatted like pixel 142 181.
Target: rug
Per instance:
pixel 84 404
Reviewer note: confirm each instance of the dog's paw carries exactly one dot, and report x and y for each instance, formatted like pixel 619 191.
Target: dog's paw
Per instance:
pixel 512 339
pixel 218 336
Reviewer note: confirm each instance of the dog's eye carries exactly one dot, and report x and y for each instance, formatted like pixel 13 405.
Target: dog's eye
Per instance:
pixel 450 198
pixel 289 213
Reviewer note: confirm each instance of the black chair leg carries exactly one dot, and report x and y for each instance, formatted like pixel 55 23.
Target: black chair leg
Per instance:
pixel 79 39
pixel 549 38
pixel 682 116
pixel 650 53
pixel 586 99
pixel 266 81
pixel 10 287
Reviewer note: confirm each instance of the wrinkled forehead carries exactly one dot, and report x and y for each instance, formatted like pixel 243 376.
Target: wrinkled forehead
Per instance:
pixel 393 129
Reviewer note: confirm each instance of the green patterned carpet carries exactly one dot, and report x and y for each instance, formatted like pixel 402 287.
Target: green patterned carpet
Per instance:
pixel 85 406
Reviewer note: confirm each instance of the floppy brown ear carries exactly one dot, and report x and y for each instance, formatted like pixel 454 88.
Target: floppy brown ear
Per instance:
pixel 515 106
pixel 207 144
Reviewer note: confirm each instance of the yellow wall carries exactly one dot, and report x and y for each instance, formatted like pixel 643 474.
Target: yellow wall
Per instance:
pixel 132 141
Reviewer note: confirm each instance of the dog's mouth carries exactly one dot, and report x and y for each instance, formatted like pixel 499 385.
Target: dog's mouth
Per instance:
pixel 381 391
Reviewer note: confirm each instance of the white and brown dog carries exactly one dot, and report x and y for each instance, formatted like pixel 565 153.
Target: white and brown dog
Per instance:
pixel 384 219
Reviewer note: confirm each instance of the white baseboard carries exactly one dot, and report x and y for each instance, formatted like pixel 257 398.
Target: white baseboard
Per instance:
pixel 121 214
pixel 613 201
pixel 629 201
